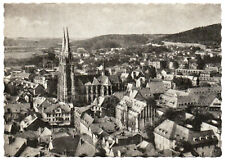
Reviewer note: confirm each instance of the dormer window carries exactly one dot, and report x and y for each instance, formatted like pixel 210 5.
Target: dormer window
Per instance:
pixel 195 139
pixel 202 138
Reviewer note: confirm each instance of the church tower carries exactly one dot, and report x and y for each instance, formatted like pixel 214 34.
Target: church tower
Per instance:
pixel 65 88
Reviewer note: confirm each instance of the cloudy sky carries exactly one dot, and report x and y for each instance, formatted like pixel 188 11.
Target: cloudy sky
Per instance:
pixel 88 20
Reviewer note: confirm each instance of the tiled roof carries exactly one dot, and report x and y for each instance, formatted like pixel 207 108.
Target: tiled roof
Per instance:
pixel 119 95
pixel 65 107
pixel 46 132
pixel 39 100
pixel 156 87
pixel 17 107
pixel 12 149
pixel 87 119
pixel 67 144
pixel 86 149
pixel 31 152
pixel 96 129
pixel 170 130
pixel 146 93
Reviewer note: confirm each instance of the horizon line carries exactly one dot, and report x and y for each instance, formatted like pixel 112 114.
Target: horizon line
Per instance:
pixel 84 38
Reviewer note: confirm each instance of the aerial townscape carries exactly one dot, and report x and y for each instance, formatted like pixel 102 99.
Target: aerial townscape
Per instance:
pixel 139 95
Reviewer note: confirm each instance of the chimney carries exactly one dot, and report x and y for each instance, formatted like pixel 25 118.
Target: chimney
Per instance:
pixel 103 141
pixel 118 153
pixel 50 146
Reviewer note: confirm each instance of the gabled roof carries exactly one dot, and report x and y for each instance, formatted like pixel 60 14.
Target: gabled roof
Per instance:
pixel 119 95
pixel 65 107
pixel 12 149
pixel 87 119
pixel 31 152
pixel 104 80
pixel 145 93
pixel 96 129
pixel 156 87
pixel 28 120
pixel 95 81
pixel 172 131
pixel 46 132
pixel 17 107
pixel 66 144
pixel 39 100
pixel 215 101
pixel 206 100
pixel 99 100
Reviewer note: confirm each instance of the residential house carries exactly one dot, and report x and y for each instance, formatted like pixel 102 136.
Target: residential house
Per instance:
pixel 57 113
pixel 190 71
pixel 170 135
pixel 32 122
pixel 175 99
pixel 213 125
pixel 156 87
pixel 16 111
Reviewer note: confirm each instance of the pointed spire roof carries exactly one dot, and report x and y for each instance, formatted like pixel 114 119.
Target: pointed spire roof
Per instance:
pixel 63 40
pixel 67 41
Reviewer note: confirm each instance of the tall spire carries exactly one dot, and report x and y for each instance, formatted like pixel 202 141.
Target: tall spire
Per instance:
pixel 67 45
pixel 63 40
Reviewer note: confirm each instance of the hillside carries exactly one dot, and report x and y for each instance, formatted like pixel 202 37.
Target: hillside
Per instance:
pixel 208 35
pixel 114 41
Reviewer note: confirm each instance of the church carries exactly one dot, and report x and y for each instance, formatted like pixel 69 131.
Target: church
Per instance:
pixel 81 88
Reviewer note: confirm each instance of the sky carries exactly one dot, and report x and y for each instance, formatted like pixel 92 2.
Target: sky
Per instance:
pixel 89 20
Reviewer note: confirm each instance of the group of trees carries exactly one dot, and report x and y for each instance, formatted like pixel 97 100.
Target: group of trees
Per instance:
pixel 202 61
pixel 182 83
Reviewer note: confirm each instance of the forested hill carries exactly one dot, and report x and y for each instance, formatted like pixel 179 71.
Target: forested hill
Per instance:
pixel 115 41
pixel 208 35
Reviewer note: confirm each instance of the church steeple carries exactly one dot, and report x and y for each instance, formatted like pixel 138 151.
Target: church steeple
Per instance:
pixel 66 54
pixel 63 40
pixel 66 88
pixel 67 44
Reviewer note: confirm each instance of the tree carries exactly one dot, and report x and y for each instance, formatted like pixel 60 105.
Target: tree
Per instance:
pixel 182 83
pixel 200 62
pixel 217 152
pixel 199 118
pixel 175 64
pixel 150 72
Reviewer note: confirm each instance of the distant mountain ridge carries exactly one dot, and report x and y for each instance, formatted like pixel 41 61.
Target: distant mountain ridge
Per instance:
pixel 207 35
pixel 115 41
